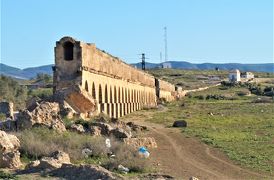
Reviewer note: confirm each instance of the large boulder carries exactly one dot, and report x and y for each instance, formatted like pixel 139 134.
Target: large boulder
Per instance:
pixel 148 142
pixel 45 114
pixel 71 172
pixel 105 128
pixel 180 123
pixel 120 133
pixel 77 128
pixel 136 127
pixel 9 154
pixel 56 160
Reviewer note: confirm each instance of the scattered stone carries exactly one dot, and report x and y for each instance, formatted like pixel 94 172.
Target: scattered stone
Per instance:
pixel 180 123
pixel 136 127
pixel 77 128
pixel 69 171
pixel 120 133
pixel 95 130
pixel 56 160
pixel 87 152
pixel 9 154
pixel 123 169
pixel 33 164
pixel 58 125
pixel 105 128
pixel 193 178
pixel 148 142
pixel 211 114
pixel 67 111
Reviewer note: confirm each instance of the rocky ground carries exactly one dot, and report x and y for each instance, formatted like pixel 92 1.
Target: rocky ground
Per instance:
pixel 172 155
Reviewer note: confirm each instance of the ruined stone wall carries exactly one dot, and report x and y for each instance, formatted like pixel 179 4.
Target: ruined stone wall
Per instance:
pixel 117 87
pixel 167 90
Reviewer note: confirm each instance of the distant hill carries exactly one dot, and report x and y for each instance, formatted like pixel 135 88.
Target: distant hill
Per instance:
pixel 29 73
pixel 267 67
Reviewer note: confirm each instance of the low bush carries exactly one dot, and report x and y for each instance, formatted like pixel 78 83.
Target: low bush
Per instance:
pixel 243 93
pixel 215 97
pixel 128 157
pixel 201 97
pixel 38 142
pixel 5 175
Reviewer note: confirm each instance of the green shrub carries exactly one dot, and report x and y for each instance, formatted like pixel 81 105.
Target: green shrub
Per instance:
pixel 5 175
pixel 201 97
pixel 10 90
pixel 42 93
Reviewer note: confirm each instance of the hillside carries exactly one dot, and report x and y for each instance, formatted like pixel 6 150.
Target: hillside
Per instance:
pixel 267 67
pixel 26 73
pixel 31 72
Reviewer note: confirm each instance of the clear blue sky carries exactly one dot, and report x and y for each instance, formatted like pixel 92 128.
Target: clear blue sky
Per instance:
pixel 219 31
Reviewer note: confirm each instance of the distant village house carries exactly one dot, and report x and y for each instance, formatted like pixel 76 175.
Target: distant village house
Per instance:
pixel 234 75
pixel 247 75
pixel 167 65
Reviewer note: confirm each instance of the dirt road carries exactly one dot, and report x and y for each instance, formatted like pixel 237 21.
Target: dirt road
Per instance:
pixel 183 157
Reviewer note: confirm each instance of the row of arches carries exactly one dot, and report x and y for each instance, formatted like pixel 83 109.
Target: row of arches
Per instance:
pixel 117 101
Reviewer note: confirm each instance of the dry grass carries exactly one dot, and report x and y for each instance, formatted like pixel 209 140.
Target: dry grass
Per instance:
pixel 39 142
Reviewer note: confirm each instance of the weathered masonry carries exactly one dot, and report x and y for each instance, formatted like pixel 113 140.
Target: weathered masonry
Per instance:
pixel 92 81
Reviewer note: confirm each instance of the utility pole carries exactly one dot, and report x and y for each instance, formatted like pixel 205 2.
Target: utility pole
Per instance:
pixel 161 59
pixel 165 38
pixel 143 61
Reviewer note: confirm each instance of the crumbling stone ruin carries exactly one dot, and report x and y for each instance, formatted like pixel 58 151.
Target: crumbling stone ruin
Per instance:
pixel 9 154
pixel 92 81
pixel 7 109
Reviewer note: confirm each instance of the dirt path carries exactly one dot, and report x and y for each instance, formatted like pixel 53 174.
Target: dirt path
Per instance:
pixel 183 157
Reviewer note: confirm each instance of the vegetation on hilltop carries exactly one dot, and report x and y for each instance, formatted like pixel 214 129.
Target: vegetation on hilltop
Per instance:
pixel 10 90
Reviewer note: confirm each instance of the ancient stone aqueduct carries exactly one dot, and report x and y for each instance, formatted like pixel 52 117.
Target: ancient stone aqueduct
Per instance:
pixel 92 81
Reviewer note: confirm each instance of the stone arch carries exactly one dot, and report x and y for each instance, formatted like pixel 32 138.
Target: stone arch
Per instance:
pixel 119 95
pixel 106 94
pixel 100 98
pixel 110 95
pixel 86 86
pixel 132 96
pixel 125 100
pixel 93 91
pixel 115 95
pixel 123 95
pixel 68 51
pixel 129 96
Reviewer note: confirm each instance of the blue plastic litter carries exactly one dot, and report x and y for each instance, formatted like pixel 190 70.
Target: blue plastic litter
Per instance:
pixel 142 149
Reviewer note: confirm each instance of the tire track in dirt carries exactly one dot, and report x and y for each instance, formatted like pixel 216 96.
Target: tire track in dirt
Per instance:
pixel 190 157
pixel 176 148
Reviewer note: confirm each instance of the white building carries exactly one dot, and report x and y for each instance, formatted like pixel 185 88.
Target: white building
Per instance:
pixel 166 65
pixel 234 75
pixel 247 75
